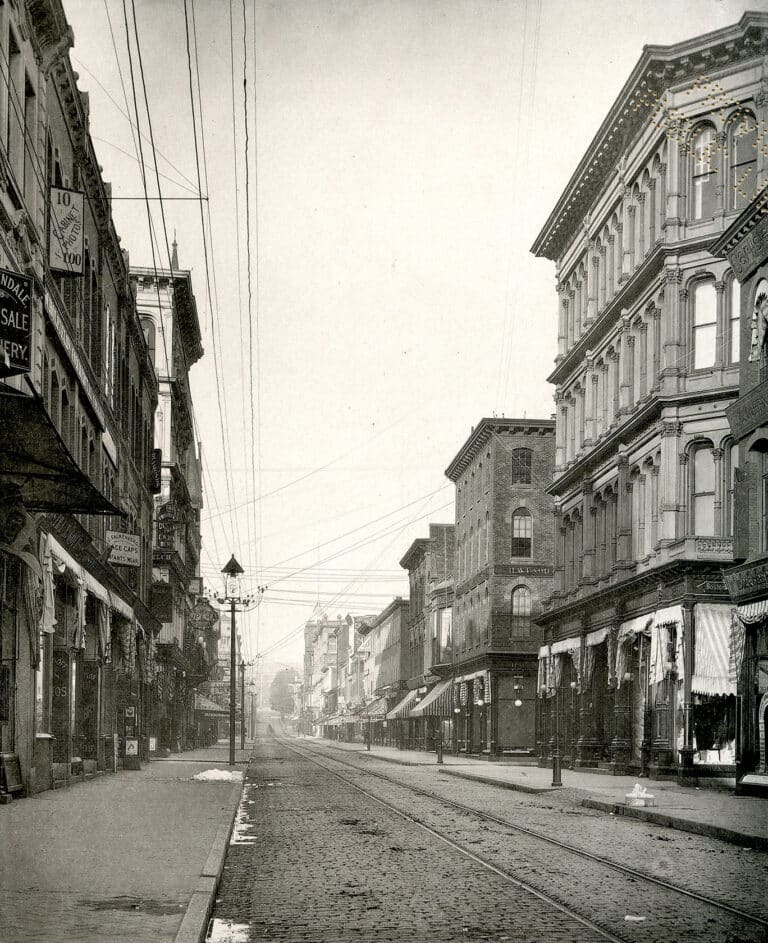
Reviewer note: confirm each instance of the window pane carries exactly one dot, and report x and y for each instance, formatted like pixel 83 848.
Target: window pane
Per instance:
pixel 703 471
pixel 521 601
pixel 735 320
pixel 704 347
pixel 521 466
pixel 704 304
pixel 521 524
pixel 704 515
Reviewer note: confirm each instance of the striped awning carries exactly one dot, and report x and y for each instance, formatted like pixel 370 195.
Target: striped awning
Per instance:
pixel 711 671
pixel 377 708
pixel 437 703
pixel 334 721
pixel 754 612
pixel 566 645
pixel 403 708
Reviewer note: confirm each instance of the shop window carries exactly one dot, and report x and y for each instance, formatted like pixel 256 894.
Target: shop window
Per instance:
pixel 704 176
pixel 521 612
pixel 522 531
pixel 521 466
pixel 703 492
pixel 704 325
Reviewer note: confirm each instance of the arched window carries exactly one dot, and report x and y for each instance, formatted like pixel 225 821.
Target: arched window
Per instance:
pixel 704 325
pixel 522 531
pixel 521 612
pixel 734 320
pixel 742 152
pixel 704 178
pixel 703 491
pixel 521 466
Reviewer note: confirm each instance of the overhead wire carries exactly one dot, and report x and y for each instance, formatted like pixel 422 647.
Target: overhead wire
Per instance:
pixel 223 426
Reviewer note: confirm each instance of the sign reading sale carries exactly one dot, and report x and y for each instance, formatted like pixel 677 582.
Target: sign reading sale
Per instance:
pixel 15 323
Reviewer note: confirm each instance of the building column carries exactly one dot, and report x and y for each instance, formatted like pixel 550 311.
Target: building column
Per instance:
pixel 592 275
pixel 562 322
pixel 640 523
pixel 590 398
pixel 670 527
pixel 655 321
pixel 559 550
pixel 561 425
pixel 685 772
pixel 624 512
pixel 662 202
pixel 718 456
pixel 643 378
pixel 671 322
pixel 627 358
pixel 721 357
pixel 588 542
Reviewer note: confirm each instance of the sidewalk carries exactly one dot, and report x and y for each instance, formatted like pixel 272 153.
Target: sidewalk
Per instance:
pixel 741 820
pixel 131 856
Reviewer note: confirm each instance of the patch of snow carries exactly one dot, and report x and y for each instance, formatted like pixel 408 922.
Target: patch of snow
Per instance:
pixel 225 931
pixel 242 833
pixel 219 776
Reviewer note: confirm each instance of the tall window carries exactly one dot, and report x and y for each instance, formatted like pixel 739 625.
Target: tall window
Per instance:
pixel 743 162
pixel 704 325
pixel 734 320
pixel 704 179
pixel 703 492
pixel 522 531
pixel 732 468
pixel 764 502
pixel 521 612
pixel 521 466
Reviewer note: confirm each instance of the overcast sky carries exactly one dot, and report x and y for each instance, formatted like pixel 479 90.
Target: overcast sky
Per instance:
pixel 402 158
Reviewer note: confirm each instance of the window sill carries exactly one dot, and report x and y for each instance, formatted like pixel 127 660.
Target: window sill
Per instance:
pixel 44 736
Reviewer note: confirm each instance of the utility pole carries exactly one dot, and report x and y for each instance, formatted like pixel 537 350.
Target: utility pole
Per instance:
pixel 242 705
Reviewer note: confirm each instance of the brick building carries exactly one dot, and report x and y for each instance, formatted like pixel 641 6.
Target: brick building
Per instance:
pixel 635 667
pixel 502 571
pixel 745 245
pixel 77 636
pixel 168 313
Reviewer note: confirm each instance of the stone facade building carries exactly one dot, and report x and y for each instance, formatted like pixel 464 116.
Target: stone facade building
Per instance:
pixel 634 672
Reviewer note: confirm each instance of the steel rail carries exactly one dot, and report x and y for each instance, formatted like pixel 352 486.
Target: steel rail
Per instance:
pixel 598 859
pixel 457 846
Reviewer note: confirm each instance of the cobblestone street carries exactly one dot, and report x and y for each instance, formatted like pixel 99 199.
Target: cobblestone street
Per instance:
pixel 314 858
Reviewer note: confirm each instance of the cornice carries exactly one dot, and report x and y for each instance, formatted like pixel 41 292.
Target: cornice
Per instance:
pixel 659 67
pixel 483 432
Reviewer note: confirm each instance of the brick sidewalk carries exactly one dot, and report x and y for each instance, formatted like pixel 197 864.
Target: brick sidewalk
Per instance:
pixel 742 820
pixel 119 857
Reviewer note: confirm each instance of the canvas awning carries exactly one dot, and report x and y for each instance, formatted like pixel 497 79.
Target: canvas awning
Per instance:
pixel 437 703
pixel 711 670
pixel 377 708
pixel 209 708
pixel 333 721
pixel 402 709
pixel 753 612
pixel 566 645
pixel 33 456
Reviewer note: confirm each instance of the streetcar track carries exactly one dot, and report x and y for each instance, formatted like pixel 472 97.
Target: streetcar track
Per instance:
pixel 531 833
pixel 559 905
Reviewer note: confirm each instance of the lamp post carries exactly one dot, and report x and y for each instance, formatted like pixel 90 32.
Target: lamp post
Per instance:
pixel 242 704
pixel 232 572
pixel 556 777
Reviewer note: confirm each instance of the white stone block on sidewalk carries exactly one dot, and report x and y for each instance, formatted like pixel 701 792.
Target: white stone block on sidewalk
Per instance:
pixel 639 797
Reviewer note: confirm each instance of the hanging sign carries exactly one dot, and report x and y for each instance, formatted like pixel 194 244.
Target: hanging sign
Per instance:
pixel 15 324
pixel 65 242
pixel 125 549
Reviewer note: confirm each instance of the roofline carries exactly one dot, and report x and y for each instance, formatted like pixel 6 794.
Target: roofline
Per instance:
pixel 614 118
pixel 397 603
pixel 483 432
pixel 419 544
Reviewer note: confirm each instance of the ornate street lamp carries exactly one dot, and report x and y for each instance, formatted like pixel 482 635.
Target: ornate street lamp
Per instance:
pixel 233 595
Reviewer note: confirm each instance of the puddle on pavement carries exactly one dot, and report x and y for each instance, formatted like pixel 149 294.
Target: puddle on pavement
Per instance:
pixel 225 931
pixel 139 905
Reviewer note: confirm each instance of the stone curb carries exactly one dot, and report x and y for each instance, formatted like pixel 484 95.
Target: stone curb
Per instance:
pixel 501 783
pixel 683 825
pixel 194 924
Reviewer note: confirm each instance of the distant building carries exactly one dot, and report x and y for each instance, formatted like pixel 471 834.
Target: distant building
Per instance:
pixel 168 313
pixel 502 571
pixel 429 562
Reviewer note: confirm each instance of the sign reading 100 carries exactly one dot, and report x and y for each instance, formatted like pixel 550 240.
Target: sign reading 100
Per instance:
pixel 65 253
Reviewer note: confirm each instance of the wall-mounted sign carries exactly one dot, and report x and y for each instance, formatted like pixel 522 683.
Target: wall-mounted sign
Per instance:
pixel 65 242
pixel 125 549
pixel 202 617
pixel 15 324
